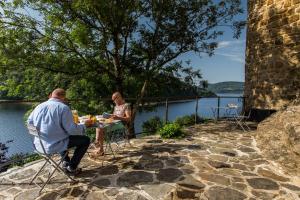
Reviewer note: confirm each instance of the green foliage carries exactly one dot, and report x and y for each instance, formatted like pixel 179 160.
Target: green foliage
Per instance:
pixel 171 130
pixel 91 133
pixel 22 161
pixel 205 93
pixel 152 125
pixel 227 87
pixel 187 120
pixel 108 44
pixel 93 48
pixel 26 115
pixel 206 120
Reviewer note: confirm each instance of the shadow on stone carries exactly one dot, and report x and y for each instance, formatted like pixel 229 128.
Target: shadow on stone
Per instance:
pixel 48 196
pixel 88 173
pixel 154 165
pixel 76 192
pixel 134 178
pixel 220 193
pixel 231 154
pixel 217 164
pixel 109 170
pixel 154 141
pixel 263 183
pixel 169 174
pixel 101 182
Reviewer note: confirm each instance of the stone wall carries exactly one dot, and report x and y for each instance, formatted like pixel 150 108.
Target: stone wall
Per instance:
pixel 273 53
pixel 279 138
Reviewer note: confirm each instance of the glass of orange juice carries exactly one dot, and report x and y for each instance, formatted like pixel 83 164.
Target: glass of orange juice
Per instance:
pixel 75 116
pixel 94 119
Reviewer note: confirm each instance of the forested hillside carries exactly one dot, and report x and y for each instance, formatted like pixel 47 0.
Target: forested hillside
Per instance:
pixel 227 87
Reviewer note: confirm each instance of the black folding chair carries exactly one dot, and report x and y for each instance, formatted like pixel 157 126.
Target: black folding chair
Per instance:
pixel 48 160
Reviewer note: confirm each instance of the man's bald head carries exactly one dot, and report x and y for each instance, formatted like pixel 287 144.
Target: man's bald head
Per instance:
pixel 59 93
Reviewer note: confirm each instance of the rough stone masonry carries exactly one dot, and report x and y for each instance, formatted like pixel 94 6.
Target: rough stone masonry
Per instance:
pixel 273 53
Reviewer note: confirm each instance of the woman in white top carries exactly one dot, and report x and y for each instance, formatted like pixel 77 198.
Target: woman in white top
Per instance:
pixel 121 112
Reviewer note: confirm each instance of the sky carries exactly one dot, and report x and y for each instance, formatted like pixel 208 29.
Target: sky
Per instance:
pixel 228 62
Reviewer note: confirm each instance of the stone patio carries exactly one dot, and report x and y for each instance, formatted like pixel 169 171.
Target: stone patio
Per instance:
pixel 212 162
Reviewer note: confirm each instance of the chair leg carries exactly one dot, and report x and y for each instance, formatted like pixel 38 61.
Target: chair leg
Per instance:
pixel 243 124
pixel 38 172
pixel 56 168
pixel 108 143
pixel 48 180
pixel 246 125
pixel 126 138
pixel 115 140
pixel 127 141
pixel 63 157
pixel 112 151
pixel 54 164
pixel 238 123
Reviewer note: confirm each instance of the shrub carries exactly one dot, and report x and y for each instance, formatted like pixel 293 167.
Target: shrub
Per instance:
pixel 171 130
pixel 188 120
pixel 23 159
pixel 205 120
pixel 152 125
pixel 91 133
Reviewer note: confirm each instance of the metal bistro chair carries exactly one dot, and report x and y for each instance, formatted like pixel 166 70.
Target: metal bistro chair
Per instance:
pixel 116 136
pixel 241 119
pixel 236 115
pixel 48 159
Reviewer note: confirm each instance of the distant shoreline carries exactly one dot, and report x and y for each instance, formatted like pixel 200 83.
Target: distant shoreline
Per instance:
pixel 15 102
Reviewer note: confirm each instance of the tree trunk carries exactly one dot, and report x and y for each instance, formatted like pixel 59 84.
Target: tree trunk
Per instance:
pixel 131 131
pixel 117 63
pixel 134 110
pixel 119 85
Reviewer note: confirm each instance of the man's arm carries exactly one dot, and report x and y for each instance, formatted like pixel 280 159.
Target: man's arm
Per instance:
pixel 68 123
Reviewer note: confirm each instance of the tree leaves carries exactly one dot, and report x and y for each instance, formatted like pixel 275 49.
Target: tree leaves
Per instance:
pixel 116 44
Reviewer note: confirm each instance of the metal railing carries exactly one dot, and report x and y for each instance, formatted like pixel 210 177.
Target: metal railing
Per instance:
pixel 152 101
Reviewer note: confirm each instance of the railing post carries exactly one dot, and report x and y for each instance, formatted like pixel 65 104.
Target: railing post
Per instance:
pixel 196 111
pixel 218 111
pixel 167 111
pixel 244 106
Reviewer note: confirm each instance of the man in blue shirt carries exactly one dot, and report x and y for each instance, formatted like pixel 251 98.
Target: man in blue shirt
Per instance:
pixel 54 120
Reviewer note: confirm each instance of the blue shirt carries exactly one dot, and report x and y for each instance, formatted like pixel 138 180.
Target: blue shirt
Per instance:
pixel 55 122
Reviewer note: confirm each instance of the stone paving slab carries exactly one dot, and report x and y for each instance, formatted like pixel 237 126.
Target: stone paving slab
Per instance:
pixel 211 163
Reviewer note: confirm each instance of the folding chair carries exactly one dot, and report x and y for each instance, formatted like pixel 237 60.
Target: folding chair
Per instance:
pixel 48 159
pixel 116 137
pixel 126 137
pixel 119 136
pixel 241 119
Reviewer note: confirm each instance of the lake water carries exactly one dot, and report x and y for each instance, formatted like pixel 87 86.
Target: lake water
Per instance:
pixel 12 119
